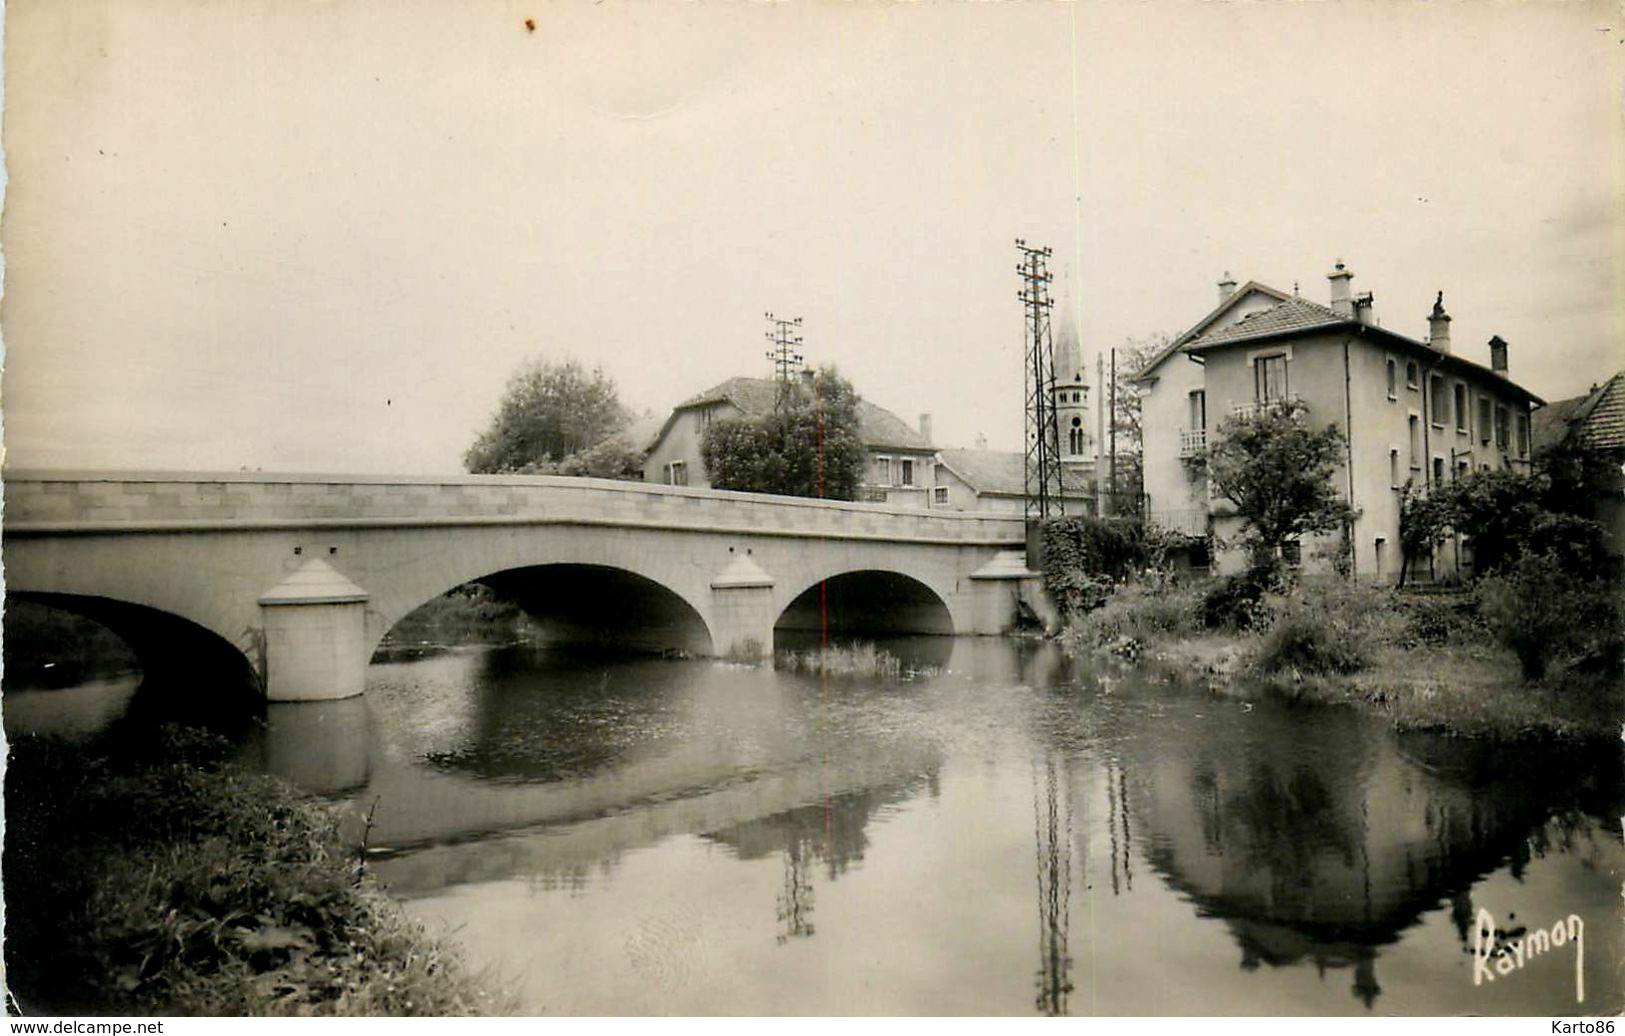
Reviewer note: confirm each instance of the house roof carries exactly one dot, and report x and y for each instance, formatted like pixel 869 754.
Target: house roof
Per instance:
pixel 999 472
pixel 1599 417
pixel 877 426
pixel 1297 316
pixel 1289 316
pixel 1230 302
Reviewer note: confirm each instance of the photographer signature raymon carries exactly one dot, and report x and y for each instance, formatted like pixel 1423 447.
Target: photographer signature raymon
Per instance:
pixel 1498 953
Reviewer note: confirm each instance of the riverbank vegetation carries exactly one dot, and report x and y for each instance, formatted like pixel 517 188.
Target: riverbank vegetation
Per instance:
pixel 1424 660
pixel 1532 643
pixel 147 875
pixel 863 660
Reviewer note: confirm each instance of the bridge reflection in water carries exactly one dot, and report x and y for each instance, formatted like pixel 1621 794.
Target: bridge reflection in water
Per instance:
pixel 903 823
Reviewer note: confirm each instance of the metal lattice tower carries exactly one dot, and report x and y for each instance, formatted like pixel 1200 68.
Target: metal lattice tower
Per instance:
pixel 785 337
pixel 1043 434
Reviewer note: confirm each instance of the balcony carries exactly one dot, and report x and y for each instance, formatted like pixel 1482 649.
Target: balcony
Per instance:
pixel 871 494
pixel 1257 407
pixel 1192 442
pixel 1189 521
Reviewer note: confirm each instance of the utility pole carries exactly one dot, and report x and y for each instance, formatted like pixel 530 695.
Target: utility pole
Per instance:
pixel 785 336
pixel 1043 458
pixel 1112 430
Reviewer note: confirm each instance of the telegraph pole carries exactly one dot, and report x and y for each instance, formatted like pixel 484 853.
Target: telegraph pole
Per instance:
pixel 785 336
pixel 1043 460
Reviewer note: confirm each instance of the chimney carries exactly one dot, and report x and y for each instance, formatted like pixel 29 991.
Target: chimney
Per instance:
pixel 1363 311
pixel 1342 302
pixel 1498 354
pixel 1439 327
pixel 1227 287
pixel 925 428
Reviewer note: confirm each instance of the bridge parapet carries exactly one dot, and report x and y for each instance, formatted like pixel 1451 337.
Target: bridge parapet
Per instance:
pixel 111 502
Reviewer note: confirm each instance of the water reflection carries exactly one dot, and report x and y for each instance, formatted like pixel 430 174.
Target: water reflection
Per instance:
pixel 1320 838
pixel 1052 835
pixel 841 846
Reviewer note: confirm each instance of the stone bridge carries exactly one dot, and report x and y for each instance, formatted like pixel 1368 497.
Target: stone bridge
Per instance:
pixel 293 580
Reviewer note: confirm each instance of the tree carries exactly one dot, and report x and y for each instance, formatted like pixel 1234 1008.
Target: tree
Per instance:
pixel 550 411
pixel 1278 472
pixel 808 446
pixel 1124 418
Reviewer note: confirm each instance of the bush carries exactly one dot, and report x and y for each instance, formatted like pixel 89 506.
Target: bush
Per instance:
pixel 1084 557
pixel 1139 612
pixel 1441 619
pixel 1238 602
pixel 1333 629
pixel 147 875
pixel 1538 611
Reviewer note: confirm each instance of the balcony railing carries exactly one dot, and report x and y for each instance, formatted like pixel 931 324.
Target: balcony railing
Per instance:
pixel 1189 521
pixel 871 495
pixel 1256 407
pixel 1192 442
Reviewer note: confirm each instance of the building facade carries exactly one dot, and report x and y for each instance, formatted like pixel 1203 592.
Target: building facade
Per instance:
pixel 901 460
pixel 1594 424
pixel 1413 413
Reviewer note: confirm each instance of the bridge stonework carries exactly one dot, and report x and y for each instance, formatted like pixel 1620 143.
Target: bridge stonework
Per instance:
pixel 305 574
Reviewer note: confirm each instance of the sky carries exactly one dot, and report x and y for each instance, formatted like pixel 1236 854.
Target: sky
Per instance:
pixel 320 235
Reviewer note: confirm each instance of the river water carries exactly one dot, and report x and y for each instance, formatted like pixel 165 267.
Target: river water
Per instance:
pixel 1001 831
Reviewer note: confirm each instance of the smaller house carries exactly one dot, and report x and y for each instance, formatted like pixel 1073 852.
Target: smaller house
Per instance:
pixel 995 481
pixel 1595 422
pixel 901 458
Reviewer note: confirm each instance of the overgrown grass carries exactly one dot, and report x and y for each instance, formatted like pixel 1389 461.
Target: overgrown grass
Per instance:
pixel 1423 662
pixel 860 660
pixel 159 879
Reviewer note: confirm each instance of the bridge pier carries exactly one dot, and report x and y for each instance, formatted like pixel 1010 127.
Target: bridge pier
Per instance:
pixel 742 610
pixel 1000 587
pixel 315 635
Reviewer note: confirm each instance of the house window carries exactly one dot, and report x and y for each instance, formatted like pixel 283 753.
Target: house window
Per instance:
pixel 1523 435
pixel 882 471
pixel 677 473
pixel 1501 434
pixel 1416 442
pixel 1412 375
pixel 907 467
pixel 1438 401
pixel 1483 419
pixel 1269 378
pixel 1393 469
pixel 1461 407
pixel 1438 471
pixel 1292 553
pixel 1074 438
pixel 1198 410
pixel 1393 379
pixel 1463 468
pixel 939 495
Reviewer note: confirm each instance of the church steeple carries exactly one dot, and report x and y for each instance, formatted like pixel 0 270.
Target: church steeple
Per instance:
pixel 1071 401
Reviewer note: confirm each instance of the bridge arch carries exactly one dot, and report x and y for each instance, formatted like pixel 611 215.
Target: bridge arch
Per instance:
pixel 187 669
pixel 873 601
pixel 581 592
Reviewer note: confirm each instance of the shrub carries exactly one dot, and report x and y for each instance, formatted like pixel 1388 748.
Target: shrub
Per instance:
pixel 1333 629
pixel 1440 619
pixel 1084 557
pixel 1540 613
pixel 1238 602
pixel 1139 612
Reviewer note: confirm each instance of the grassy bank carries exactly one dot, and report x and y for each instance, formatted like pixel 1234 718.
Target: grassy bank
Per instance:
pixel 152 877
pixel 1442 662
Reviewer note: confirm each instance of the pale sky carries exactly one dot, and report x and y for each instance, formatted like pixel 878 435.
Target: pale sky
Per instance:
pixel 318 236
